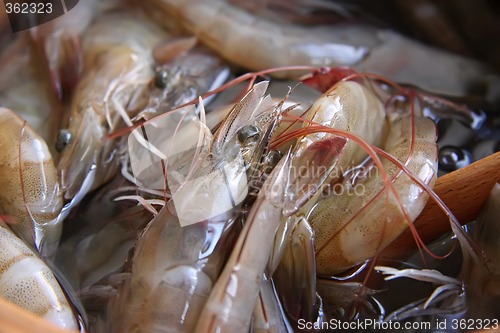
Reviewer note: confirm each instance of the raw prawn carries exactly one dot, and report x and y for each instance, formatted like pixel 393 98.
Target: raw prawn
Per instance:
pixel 354 109
pixel 118 66
pixel 357 108
pixel 26 281
pixel 254 43
pixel 178 257
pixel 351 229
pixel 30 192
pixel 234 296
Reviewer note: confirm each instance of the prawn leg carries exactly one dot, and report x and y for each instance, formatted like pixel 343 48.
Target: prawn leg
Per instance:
pixel 268 315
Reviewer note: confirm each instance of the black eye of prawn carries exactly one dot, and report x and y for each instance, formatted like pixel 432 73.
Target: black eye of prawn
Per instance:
pixel 273 157
pixel 161 77
pixel 453 158
pixel 248 134
pixel 63 139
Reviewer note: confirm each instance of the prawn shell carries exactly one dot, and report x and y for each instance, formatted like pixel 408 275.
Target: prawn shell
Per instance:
pixel 352 107
pixel 352 228
pixel 167 286
pixel 26 281
pixel 29 184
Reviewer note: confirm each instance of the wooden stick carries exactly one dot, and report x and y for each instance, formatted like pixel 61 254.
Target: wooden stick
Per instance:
pixel 13 319
pixel 464 192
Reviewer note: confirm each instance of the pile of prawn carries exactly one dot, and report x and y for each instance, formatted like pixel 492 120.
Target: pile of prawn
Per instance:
pixel 136 198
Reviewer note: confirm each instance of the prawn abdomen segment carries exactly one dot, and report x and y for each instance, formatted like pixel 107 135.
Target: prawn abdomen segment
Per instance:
pixel 352 228
pixel 26 281
pixel 30 188
pixel 168 303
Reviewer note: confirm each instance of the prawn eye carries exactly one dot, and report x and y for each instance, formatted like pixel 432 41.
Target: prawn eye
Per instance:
pixel 452 158
pixel 248 134
pixel 63 139
pixel 161 77
pixel 273 157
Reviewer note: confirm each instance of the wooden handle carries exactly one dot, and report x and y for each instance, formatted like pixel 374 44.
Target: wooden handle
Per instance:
pixel 463 191
pixel 13 319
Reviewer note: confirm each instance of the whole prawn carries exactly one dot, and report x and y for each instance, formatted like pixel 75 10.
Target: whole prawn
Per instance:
pixel 118 66
pixel 30 192
pixel 174 266
pixel 358 110
pixel 253 43
pixel 234 296
pixel 348 231
pixel 358 107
